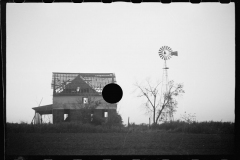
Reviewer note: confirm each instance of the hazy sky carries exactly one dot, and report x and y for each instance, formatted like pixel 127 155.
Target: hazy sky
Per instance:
pixel 123 38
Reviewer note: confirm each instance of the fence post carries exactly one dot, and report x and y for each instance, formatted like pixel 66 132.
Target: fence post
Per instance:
pixel 149 122
pixel 128 121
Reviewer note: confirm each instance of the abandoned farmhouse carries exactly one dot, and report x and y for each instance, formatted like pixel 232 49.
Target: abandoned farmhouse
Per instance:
pixel 74 92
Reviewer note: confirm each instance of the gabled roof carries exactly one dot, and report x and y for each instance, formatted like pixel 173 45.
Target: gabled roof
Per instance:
pixel 79 82
pixel 71 82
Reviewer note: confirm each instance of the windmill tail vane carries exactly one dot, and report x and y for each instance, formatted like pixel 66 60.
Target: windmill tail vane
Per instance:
pixel 175 53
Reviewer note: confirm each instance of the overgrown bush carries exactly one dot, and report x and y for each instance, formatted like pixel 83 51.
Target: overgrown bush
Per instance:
pixel 85 116
pixel 114 119
pixel 97 120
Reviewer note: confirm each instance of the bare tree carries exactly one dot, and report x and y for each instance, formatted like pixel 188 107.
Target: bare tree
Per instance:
pixel 154 104
pixel 92 103
pixel 86 109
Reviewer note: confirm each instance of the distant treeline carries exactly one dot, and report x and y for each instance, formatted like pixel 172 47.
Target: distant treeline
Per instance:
pixel 173 127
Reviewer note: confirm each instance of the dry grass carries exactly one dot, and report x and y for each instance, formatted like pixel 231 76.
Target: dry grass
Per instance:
pixel 175 126
pixel 145 143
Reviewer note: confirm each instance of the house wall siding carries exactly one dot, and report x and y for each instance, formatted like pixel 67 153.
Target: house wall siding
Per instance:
pixel 71 102
pixel 58 115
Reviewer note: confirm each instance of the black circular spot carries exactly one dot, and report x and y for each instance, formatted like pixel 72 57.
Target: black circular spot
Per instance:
pixel 112 93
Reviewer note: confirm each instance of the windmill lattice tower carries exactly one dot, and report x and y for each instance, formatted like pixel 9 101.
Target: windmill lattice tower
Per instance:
pixel 165 53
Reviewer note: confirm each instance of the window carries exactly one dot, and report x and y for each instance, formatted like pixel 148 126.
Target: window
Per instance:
pixel 66 118
pixel 85 100
pixel 91 116
pixel 105 114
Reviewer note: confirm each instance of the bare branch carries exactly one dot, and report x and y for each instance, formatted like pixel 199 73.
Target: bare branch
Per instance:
pixel 146 95
pixel 148 106
pixel 150 87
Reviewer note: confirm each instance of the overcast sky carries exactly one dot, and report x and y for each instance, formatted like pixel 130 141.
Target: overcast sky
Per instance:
pixel 123 38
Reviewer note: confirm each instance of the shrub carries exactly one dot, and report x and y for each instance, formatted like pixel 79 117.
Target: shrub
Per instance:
pixel 97 120
pixel 114 119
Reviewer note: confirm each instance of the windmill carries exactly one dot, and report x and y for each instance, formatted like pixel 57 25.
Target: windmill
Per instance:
pixel 166 53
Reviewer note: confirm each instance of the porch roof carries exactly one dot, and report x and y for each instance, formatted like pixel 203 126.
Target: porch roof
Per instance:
pixel 47 109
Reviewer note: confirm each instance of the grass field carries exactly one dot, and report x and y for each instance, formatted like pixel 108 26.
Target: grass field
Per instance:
pixel 145 143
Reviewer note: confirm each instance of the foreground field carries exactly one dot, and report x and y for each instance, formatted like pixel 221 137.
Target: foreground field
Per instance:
pixel 146 143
